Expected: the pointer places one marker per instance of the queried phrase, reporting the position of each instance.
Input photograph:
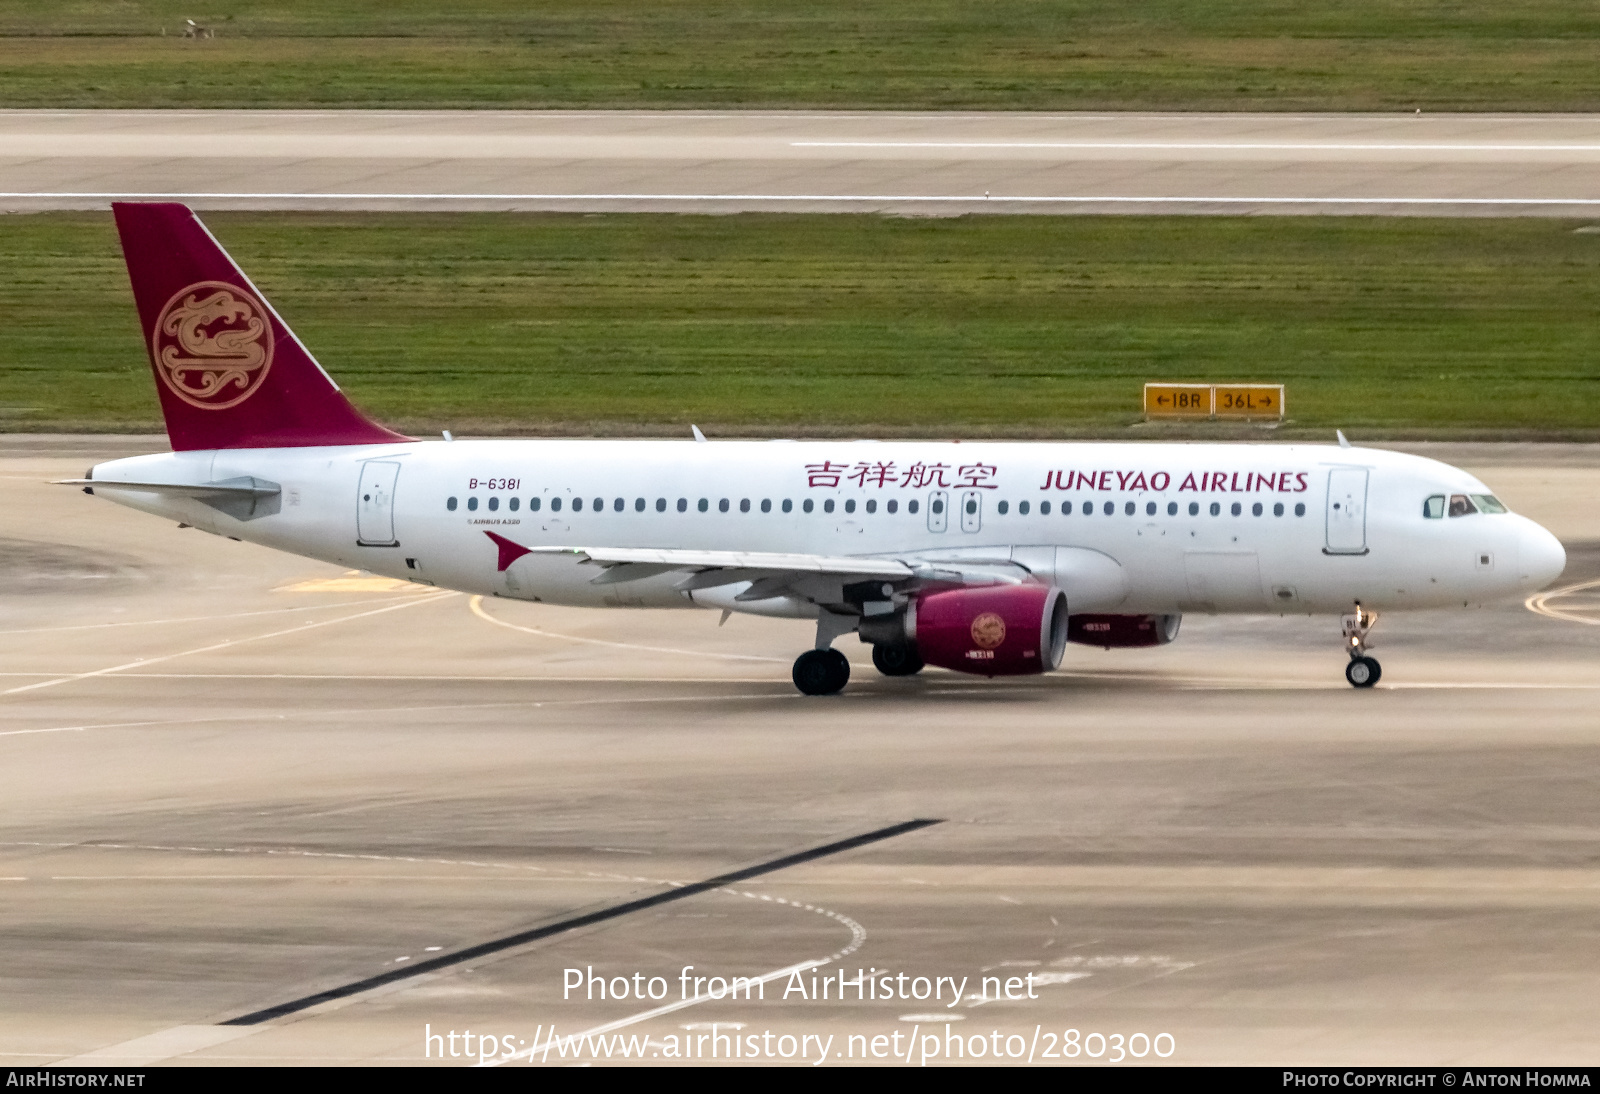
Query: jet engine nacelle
(1123, 631)
(997, 630)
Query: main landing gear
(1362, 671)
(821, 672)
(896, 659)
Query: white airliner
(985, 558)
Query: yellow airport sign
(1177, 400)
(1231, 401)
(1248, 401)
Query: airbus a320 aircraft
(983, 558)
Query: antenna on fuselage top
(1344, 442)
(699, 436)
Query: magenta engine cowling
(1123, 631)
(997, 630)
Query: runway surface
(232, 779)
(919, 164)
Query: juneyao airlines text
(806, 984)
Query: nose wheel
(821, 672)
(1362, 671)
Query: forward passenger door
(1347, 511)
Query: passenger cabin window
(533, 505)
(1433, 508)
(451, 505)
(1461, 505)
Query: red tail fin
(230, 372)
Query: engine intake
(998, 630)
(1123, 631)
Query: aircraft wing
(726, 567)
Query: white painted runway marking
(168, 1043)
(1205, 146)
(979, 688)
(832, 199)
(205, 618)
(476, 604)
(531, 704)
(537, 1049)
(858, 933)
(223, 645)
(1540, 603)
(80, 729)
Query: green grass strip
(994, 54)
(858, 325)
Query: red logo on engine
(212, 345)
(988, 631)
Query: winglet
(1344, 442)
(699, 436)
(509, 552)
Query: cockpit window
(1433, 508)
(1461, 506)
(1488, 503)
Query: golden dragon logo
(212, 345)
(988, 631)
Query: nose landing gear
(1362, 671)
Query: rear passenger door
(375, 504)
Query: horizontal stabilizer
(243, 498)
(245, 487)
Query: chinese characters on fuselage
(982, 476)
(967, 476)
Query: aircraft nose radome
(1543, 557)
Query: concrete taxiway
(231, 779)
(911, 163)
